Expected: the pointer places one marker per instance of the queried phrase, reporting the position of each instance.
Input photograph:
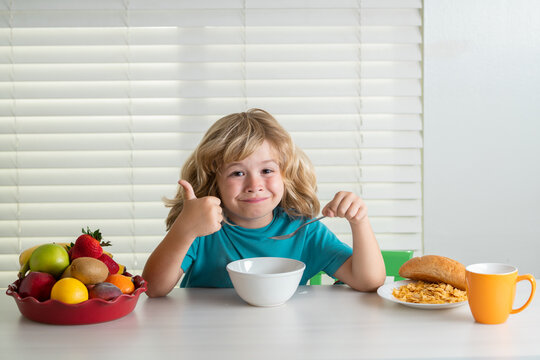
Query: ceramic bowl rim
(255, 275)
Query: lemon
(69, 291)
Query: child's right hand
(199, 216)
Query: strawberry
(111, 264)
(88, 245)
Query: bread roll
(434, 268)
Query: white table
(318, 322)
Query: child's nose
(254, 183)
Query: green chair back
(393, 259)
(316, 279)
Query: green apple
(50, 258)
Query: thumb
(188, 190)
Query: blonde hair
(234, 138)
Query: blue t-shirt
(205, 262)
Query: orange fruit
(69, 291)
(124, 283)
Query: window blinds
(101, 102)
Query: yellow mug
(491, 289)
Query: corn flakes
(429, 293)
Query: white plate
(385, 292)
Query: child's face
(250, 189)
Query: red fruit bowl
(88, 312)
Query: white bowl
(266, 281)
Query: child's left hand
(347, 205)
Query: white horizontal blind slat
(101, 103)
(165, 106)
(153, 176)
(218, 53)
(210, 17)
(205, 4)
(284, 70)
(159, 141)
(202, 36)
(218, 89)
(178, 123)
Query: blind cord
(131, 133)
(13, 110)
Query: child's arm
(364, 270)
(199, 217)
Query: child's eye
(237, 173)
(267, 171)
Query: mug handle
(529, 278)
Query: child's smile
(250, 189)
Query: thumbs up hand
(199, 216)
(188, 190)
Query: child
(244, 183)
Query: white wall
(482, 131)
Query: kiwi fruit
(88, 270)
(66, 273)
